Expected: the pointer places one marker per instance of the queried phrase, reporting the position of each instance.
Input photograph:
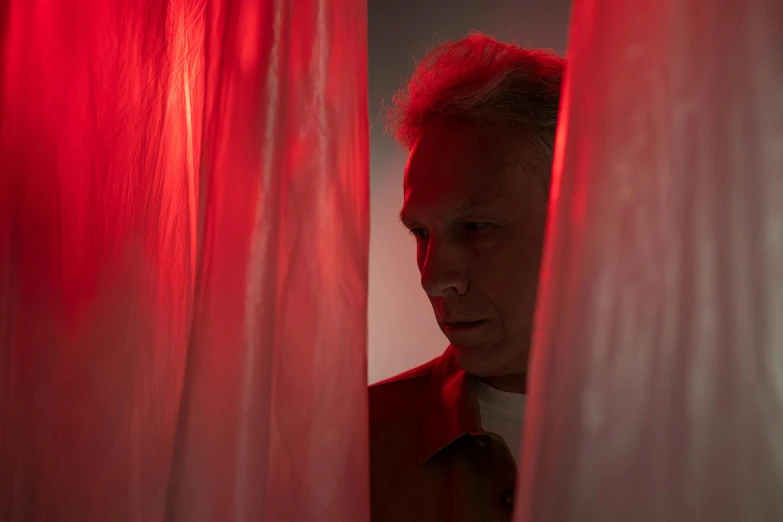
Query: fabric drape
(657, 374)
(183, 260)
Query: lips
(459, 326)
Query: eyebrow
(469, 208)
(461, 211)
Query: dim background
(402, 329)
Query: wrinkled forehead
(453, 149)
(454, 165)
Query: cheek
(508, 276)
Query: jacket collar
(450, 410)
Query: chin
(487, 361)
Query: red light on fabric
(183, 180)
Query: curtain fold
(183, 260)
(274, 418)
(657, 372)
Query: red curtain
(657, 375)
(183, 260)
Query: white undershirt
(501, 413)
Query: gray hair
(483, 81)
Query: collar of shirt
(450, 409)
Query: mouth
(461, 326)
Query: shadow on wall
(402, 329)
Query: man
(479, 119)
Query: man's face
(475, 199)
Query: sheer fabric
(183, 260)
(657, 374)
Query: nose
(443, 269)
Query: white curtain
(657, 374)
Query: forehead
(455, 164)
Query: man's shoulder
(396, 408)
(425, 370)
(400, 396)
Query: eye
(419, 233)
(476, 226)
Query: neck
(514, 383)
